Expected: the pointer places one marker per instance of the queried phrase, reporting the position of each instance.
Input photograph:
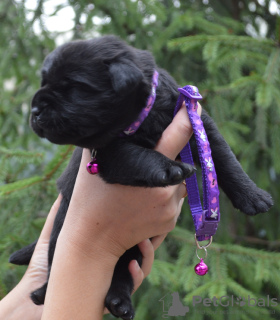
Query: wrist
(78, 278)
(91, 236)
(88, 247)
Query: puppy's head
(91, 90)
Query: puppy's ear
(125, 76)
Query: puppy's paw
(38, 296)
(174, 174)
(253, 201)
(120, 305)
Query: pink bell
(92, 167)
(201, 268)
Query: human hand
(17, 304)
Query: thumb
(47, 229)
(177, 134)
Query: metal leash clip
(201, 268)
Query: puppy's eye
(43, 78)
(64, 83)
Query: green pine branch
(58, 161)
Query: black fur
(91, 91)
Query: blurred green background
(231, 50)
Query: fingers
(157, 241)
(147, 248)
(182, 191)
(44, 238)
(147, 251)
(181, 204)
(38, 266)
(177, 134)
(199, 109)
(138, 274)
(46, 231)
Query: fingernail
(136, 265)
(146, 241)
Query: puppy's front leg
(241, 190)
(129, 164)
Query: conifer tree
(230, 50)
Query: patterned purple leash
(205, 219)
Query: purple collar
(144, 113)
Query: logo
(173, 307)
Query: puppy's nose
(35, 111)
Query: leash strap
(205, 219)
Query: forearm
(79, 281)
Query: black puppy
(91, 91)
